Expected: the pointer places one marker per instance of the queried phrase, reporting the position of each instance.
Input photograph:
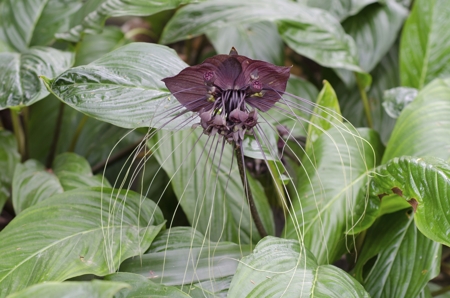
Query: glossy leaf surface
(89, 231)
(425, 44)
(405, 260)
(396, 99)
(341, 8)
(21, 85)
(124, 87)
(281, 267)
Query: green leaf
(21, 85)
(311, 32)
(342, 9)
(93, 47)
(405, 260)
(124, 87)
(9, 158)
(280, 267)
(330, 198)
(250, 40)
(375, 30)
(325, 115)
(91, 17)
(203, 179)
(29, 23)
(83, 231)
(143, 287)
(425, 44)
(396, 99)
(72, 289)
(424, 183)
(33, 183)
(422, 124)
(182, 257)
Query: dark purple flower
(226, 91)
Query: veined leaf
(72, 289)
(21, 85)
(396, 99)
(330, 200)
(425, 184)
(281, 267)
(405, 260)
(124, 87)
(9, 158)
(425, 44)
(29, 23)
(91, 17)
(342, 9)
(87, 231)
(311, 32)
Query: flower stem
(365, 101)
(18, 132)
(248, 193)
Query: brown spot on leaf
(413, 202)
(381, 195)
(397, 191)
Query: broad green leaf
(250, 40)
(182, 257)
(29, 23)
(93, 47)
(83, 231)
(330, 200)
(72, 289)
(91, 17)
(405, 260)
(9, 158)
(422, 125)
(375, 30)
(425, 44)
(342, 9)
(124, 87)
(396, 99)
(311, 32)
(425, 184)
(326, 113)
(208, 187)
(280, 267)
(33, 183)
(433, 288)
(21, 85)
(140, 286)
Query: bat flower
(227, 90)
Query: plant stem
(77, 133)
(365, 101)
(18, 132)
(440, 291)
(52, 152)
(248, 193)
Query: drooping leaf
(250, 40)
(425, 184)
(124, 87)
(33, 23)
(72, 289)
(21, 85)
(281, 267)
(9, 158)
(91, 17)
(33, 183)
(325, 114)
(182, 257)
(396, 99)
(83, 231)
(140, 286)
(330, 200)
(311, 32)
(405, 260)
(342, 9)
(425, 44)
(203, 180)
(422, 124)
